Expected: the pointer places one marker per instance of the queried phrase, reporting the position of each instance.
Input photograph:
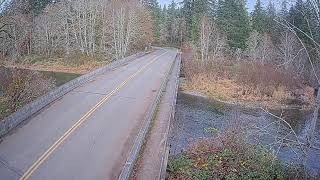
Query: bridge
(114, 126)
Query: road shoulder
(152, 160)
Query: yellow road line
(45, 155)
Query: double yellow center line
(46, 154)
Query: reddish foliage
(22, 86)
(266, 77)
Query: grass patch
(75, 63)
(216, 108)
(60, 78)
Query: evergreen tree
(258, 18)
(188, 14)
(38, 5)
(314, 20)
(150, 4)
(233, 20)
(193, 11)
(164, 10)
(212, 8)
(200, 7)
(301, 19)
(172, 9)
(284, 9)
(270, 17)
(271, 25)
(155, 9)
(298, 17)
(172, 14)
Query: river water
(195, 114)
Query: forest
(268, 56)
(279, 38)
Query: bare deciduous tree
(123, 22)
(292, 55)
(205, 38)
(89, 27)
(261, 48)
(211, 41)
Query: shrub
(4, 109)
(227, 156)
(266, 78)
(26, 85)
(213, 70)
(21, 87)
(245, 81)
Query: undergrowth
(247, 82)
(20, 87)
(73, 63)
(228, 156)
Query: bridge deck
(88, 133)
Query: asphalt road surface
(88, 133)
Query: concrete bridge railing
(28, 110)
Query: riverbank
(227, 91)
(245, 82)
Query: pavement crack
(127, 97)
(6, 164)
(88, 92)
(133, 98)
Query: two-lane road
(88, 133)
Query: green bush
(225, 157)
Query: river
(195, 114)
